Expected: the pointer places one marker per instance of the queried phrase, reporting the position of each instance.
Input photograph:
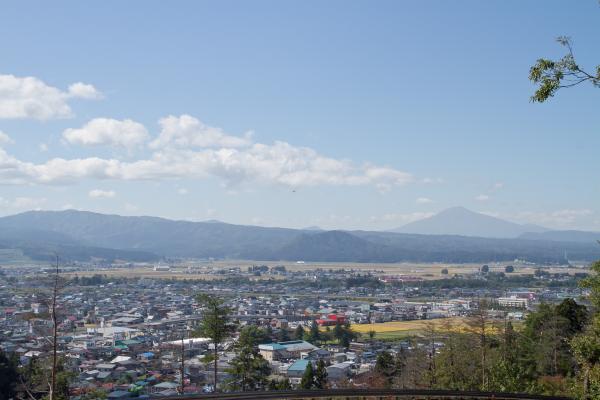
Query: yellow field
(456, 324)
(206, 270)
(148, 272)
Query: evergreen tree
(280, 384)
(252, 336)
(215, 325)
(386, 366)
(321, 375)
(63, 378)
(249, 370)
(313, 334)
(338, 332)
(347, 336)
(457, 365)
(283, 335)
(299, 332)
(576, 314)
(400, 362)
(586, 345)
(345, 341)
(308, 379)
(8, 376)
(284, 384)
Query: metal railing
(365, 393)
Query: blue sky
(337, 114)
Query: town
(120, 335)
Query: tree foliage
(215, 325)
(8, 376)
(249, 370)
(320, 378)
(308, 378)
(552, 75)
(313, 335)
(386, 367)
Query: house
(513, 301)
(102, 367)
(319, 354)
(296, 370)
(339, 371)
(284, 350)
(331, 320)
(120, 394)
(161, 387)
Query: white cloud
(279, 163)
(187, 131)
(101, 194)
(482, 197)
(424, 200)
(559, 218)
(182, 191)
(432, 180)
(497, 186)
(30, 97)
(5, 139)
(84, 91)
(43, 147)
(399, 218)
(107, 131)
(22, 203)
(131, 207)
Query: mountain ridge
(87, 235)
(464, 222)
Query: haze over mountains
(460, 221)
(81, 235)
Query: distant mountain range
(563, 236)
(460, 221)
(447, 237)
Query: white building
(513, 301)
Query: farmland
(397, 329)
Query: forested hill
(86, 234)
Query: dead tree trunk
(54, 334)
(182, 367)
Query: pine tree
(321, 375)
(283, 335)
(249, 370)
(338, 332)
(299, 332)
(283, 384)
(8, 376)
(215, 325)
(386, 366)
(308, 379)
(314, 335)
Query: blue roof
(271, 346)
(118, 394)
(299, 365)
